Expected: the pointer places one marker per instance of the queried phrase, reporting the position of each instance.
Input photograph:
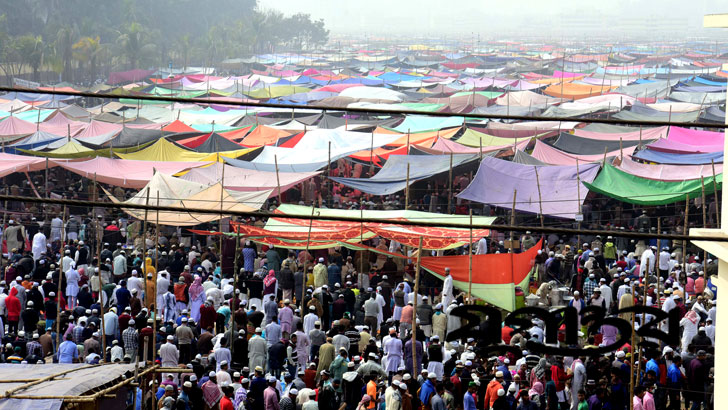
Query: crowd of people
(332, 329)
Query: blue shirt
(674, 376)
(469, 402)
(67, 351)
(652, 365)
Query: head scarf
(269, 278)
(541, 368)
(196, 288)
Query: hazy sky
(496, 18)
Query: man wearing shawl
(180, 295)
(270, 284)
(211, 391)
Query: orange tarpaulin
(495, 276)
(573, 91)
(263, 135)
(237, 135)
(178, 126)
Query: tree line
(80, 40)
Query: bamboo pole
(278, 180)
(657, 267)
(235, 299)
(99, 242)
(715, 194)
(308, 243)
(513, 220)
(35, 382)
(46, 178)
(449, 192)
(58, 292)
(407, 189)
(5, 220)
(470, 259)
(414, 311)
(604, 161)
(631, 361)
(538, 185)
(222, 194)
(705, 217)
(371, 157)
(621, 153)
(578, 202)
(685, 230)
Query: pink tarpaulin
(697, 137)
(123, 172)
(447, 146)
(525, 99)
(489, 82)
(96, 128)
(550, 155)
(10, 163)
(129, 76)
(662, 172)
(13, 126)
(240, 179)
(668, 145)
(646, 133)
(337, 88)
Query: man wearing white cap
(257, 350)
(310, 319)
(393, 347)
(647, 262)
(447, 289)
(169, 354)
(320, 274)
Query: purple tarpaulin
(497, 179)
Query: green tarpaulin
(625, 187)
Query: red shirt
(558, 375)
(226, 404)
(506, 334)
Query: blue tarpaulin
(679, 159)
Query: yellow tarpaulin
(472, 138)
(164, 150)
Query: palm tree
(64, 50)
(86, 51)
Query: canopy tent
(476, 139)
(37, 140)
(521, 157)
(644, 113)
(663, 172)
(13, 127)
(166, 190)
(214, 142)
(494, 276)
(71, 149)
(672, 146)
(697, 137)
(293, 233)
(393, 175)
(134, 137)
(574, 91)
(177, 126)
(586, 146)
(678, 158)
(164, 150)
(123, 172)
(625, 187)
(525, 99)
(550, 155)
(241, 179)
(615, 133)
(10, 163)
(282, 168)
(497, 180)
(264, 135)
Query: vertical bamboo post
(705, 217)
(99, 242)
(5, 219)
(308, 243)
(470, 260)
(578, 202)
(513, 220)
(538, 185)
(449, 182)
(480, 142)
(361, 236)
(639, 147)
(414, 311)
(407, 189)
(60, 280)
(156, 272)
(715, 194)
(685, 230)
(371, 157)
(408, 140)
(621, 153)
(604, 161)
(657, 266)
(46, 178)
(222, 193)
(278, 180)
(235, 299)
(631, 359)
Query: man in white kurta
(169, 354)
(453, 322)
(447, 289)
(393, 347)
(40, 244)
(309, 321)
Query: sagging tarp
(495, 276)
(476, 139)
(393, 175)
(164, 150)
(134, 137)
(644, 113)
(608, 132)
(586, 146)
(178, 193)
(574, 91)
(302, 167)
(625, 187)
(123, 172)
(665, 172)
(550, 155)
(217, 143)
(521, 157)
(293, 232)
(37, 140)
(496, 181)
(679, 159)
(240, 179)
(10, 163)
